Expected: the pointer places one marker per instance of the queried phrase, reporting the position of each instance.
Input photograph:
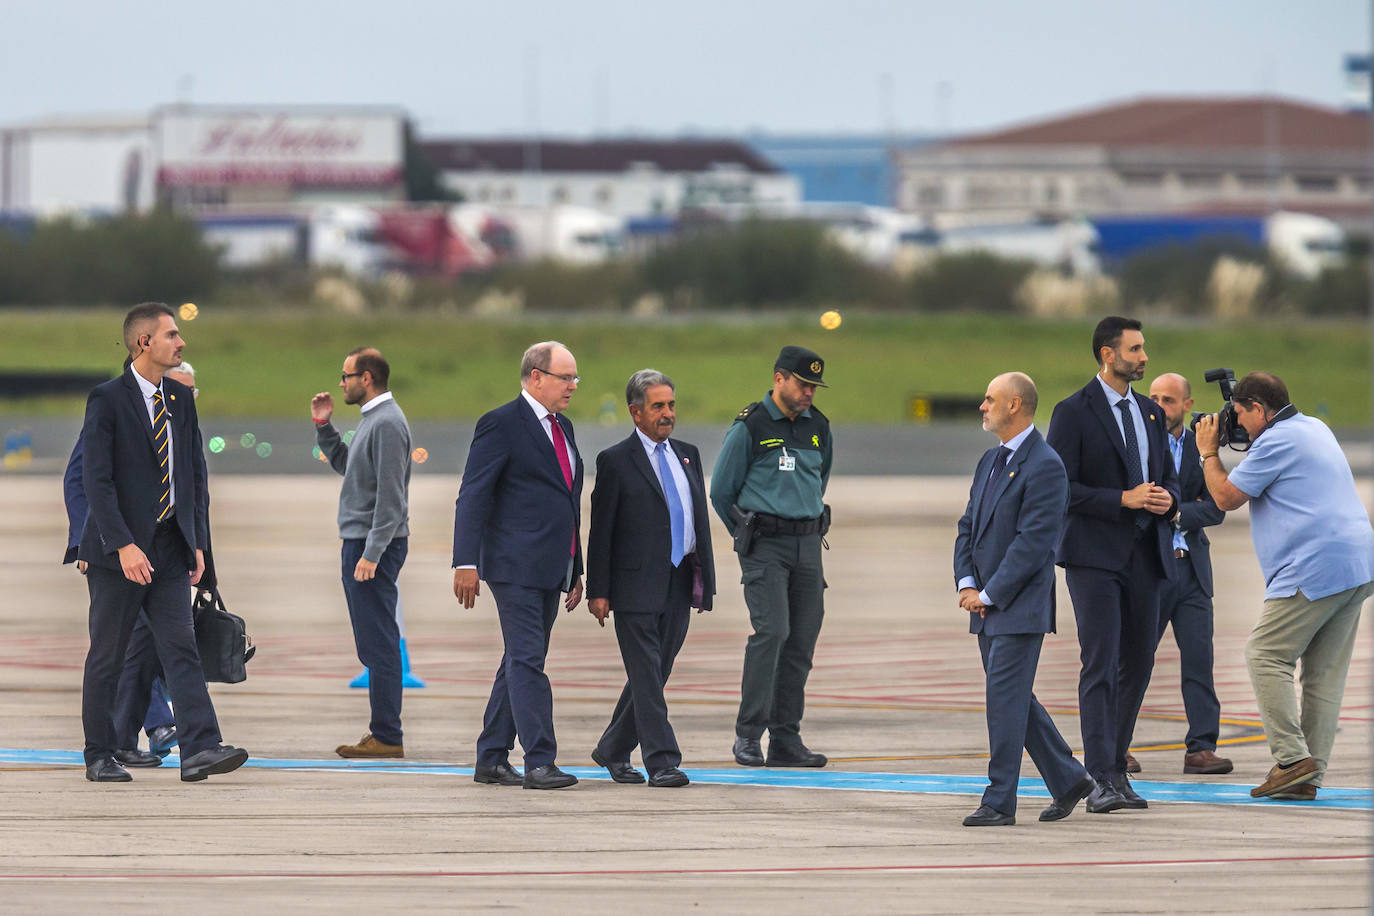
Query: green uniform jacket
(750, 471)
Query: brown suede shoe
(1206, 762)
(1132, 765)
(369, 746)
(1304, 792)
(1279, 779)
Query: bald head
(1008, 408)
(1173, 394)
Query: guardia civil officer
(767, 487)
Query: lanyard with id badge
(786, 462)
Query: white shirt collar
(650, 445)
(144, 385)
(540, 411)
(378, 401)
(1015, 441)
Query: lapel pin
(686, 460)
(1152, 416)
(173, 397)
(1011, 475)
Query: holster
(745, 529)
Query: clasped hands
(969, 601)
(1149, 497)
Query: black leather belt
(1180, 553)
(772, 525)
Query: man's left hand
(1159, 500)
(1207, 435)
(200, 567)
(600, 608)
(365, 570)
(969, 601)
(574, 594)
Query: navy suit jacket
(630, 538)
(1100, 533)
(1008, 546)
(74, 495)
(515, 518)
(121, 476)
(1198, 510)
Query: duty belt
(773, 525)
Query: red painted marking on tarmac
(631, 872)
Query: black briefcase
(221, 638)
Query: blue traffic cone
(407, 678)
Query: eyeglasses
(348, 375)
(566, 379)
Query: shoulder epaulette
(748, 409)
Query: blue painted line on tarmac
(1202, 793)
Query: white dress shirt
(149, 389)
(684, 492)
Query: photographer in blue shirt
(1316, 549)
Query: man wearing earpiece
(1316, 550)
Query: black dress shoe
(989, 817)
(137, 758)
(1122, 785)
(793, 754)
(1104, 799)
(212, 761)
(1063, 806)
(669, 778)
(104, 769)
(161, 739)
(502, 774)
(620, 770)
(748, 752)
(548, 777)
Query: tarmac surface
(895, 699)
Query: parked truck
(1304, 243)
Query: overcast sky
(579, 67)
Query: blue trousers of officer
(372, 611)
(1183, 603)
(521, 701)
(1016, 720)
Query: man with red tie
(516, 526)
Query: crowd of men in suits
(1117, 492)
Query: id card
(786, 462)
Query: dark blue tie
(1133, 478)
(999, 464)
(675, 518)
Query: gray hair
(641, 382)
(185, 367)
(538, 356)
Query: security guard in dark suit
(768, 486)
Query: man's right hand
(322, 407)
(81, 566)
(600, 608)
(1136, 497)
(135, 564)
(466, 586)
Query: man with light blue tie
(649, 562)
(1116, 549)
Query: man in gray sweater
(373, 524)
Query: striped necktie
(164, 500)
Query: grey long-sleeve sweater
(374, 502)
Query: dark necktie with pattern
(1133, 470)
(999, 464)
(160, 439)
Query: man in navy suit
(143, 472)
(648, 560)
(1186, 600)
(516, 526)
(1004, 570)
(1116, 548)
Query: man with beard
(767, 487)
(374, 528)
(1116, 548)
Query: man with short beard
(374, 527)
(772, 470)
(1116, 548)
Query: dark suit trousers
(372, 610)
(649, 643)
(1118, 629)
(141, 699)
(1016, 720)
(521, 702)
(1183, 603)
(115, 603)
(784, 588)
